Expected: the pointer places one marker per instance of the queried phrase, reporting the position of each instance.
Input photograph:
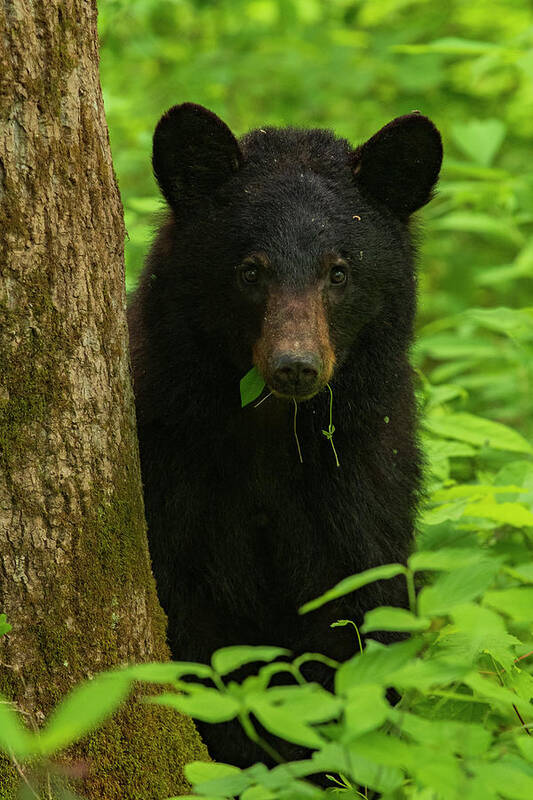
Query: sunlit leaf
(14, 737)
(495, 228)
(167, 672)
(444, 559)
(228, 659)
(216, 779)
(476, 430)
(365, 710)
(353, 583)
(375, 665)
(457, 587)
(479, 139)
(204, 703)
(388, 618)
(516, 602)
(283, 723)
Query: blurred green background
(352, 66)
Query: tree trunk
(75, 578)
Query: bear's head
(290, 244)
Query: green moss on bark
(30, 372)
(151, 764)
(9, 779)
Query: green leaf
(201, 771)
(374, 664)
(478, 431)
(511, 321)
(449, 45)
(525, 745)
(193, 797)
(258, 793)
(5, 627)
(365, 710)
(479, 139)
(364, 771)
(517, 602)
(510, 782)
(168, 672)
(446, 559)
(448, 735)
(145, 205)
(208, 705)
(84, 709)
(435, 773)
(387, 750)
(457, 587)
(354, 582)
(518, 473)
(309, 703)
(283, 723)
(440, 395)
(523, 572)
(478, 630)
(507, 513)
(228, 659)
(14, 737)
(446, 511)
(216, 779)
(498, 695)
(493, 228)
(451, 346)
(431, 673)
(252, 384)
(461, 169)
(388, 618)
(259, 682)
(473, 491)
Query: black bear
(290, 251)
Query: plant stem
(331, 429)
(410, 578)
(295, 433)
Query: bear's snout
(296, 374)
(294, 352)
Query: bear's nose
(296, 373)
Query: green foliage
(350, 65)
(5, 627)
(464, 676)
(251, 386)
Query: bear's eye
(337, 275)
(250, 274)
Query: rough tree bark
(75, 579)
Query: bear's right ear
(400, 164)
(194, 152)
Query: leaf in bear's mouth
(252, 384)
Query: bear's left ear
(400, 164)
(194, 152)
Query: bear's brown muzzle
(294, 353)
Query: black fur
(241, 533)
